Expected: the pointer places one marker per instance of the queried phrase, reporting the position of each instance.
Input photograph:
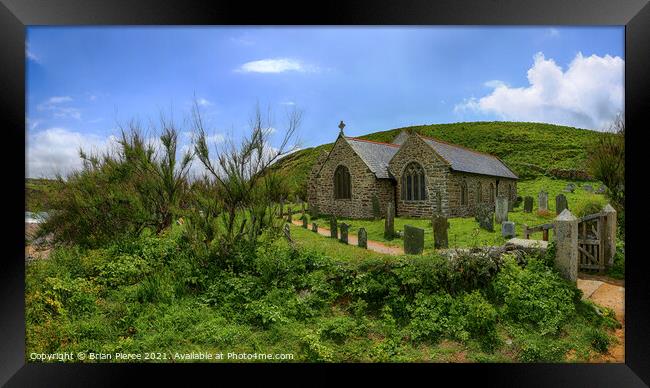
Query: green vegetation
(146, 262)
(530, 149)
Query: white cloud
(203, 102)
(277, 65)
(30, 54)
(57, 150)
(589, 94)
(57, 106)
(290, 103)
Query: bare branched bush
(239, 188)
(606, 161)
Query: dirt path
(352, 240)
(609, 293)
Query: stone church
(422, 176)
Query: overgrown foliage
(606, 162)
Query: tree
(606, 161)
(239, 176)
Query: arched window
(413, 183)
(463, 193)
(491, 192)
(342, 183)
(479, 192)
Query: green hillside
(530, 149)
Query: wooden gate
(591, 255)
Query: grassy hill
(530, 149)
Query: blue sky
(82, 80)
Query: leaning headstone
(314, 227)
(304, 221)
(560, 203)
(334, 233)
(362, 238)
(501, 209)
(289, 215)
(376, 207)
(542, 201)
(528, 205)
(588, 188)
(485, 217)
(565, 227)
(344, 233)
(570, 187)
(413, 240)
(440, 236)
(389, 224)
(508, 229)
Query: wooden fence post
(608, 235)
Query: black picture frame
(15, 15)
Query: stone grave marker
(570, 187)
(542, 201)
(588, 188)
(376, 207)
(389, 224)
(289, 215)
(333, 228)
(508, 229)
(601, 189)
(344, 233)
(528, 205)
(362, 238)
(485, 217)
(560, 203)
(440, 236)
(304, 221)
(314, 227)
(501, 209)
(413, 240)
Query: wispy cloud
(290, 103)
(275, 65)
(553, 32)
(57, 106)
(31, 55)
(203, 102)
(589, 94)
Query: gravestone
(334, 233)
(313, 211)
(413, 240)
(344, 233)
(485, 216)
(501, 209)
(304, 221)
(440, 236)
(588, 188)
(570, 187)
(389, 224)
(314, 227)
(518, 201)
(528, 204)
(560, 203)
(362, 238)
(601, 189)
(511, 204)
(376, 207)
(508, 229)
(542, 201)
(289, 215)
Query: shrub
(598, 339)
(540, 349)
(339, 328)
(430, 317)
(535, 294)
(588, 207)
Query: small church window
(463, 193)
(413, 183)
(342, 183)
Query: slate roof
(466, 160)
(376, 155)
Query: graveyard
(466, 232)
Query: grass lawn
(465, 232)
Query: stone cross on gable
(341, 126)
